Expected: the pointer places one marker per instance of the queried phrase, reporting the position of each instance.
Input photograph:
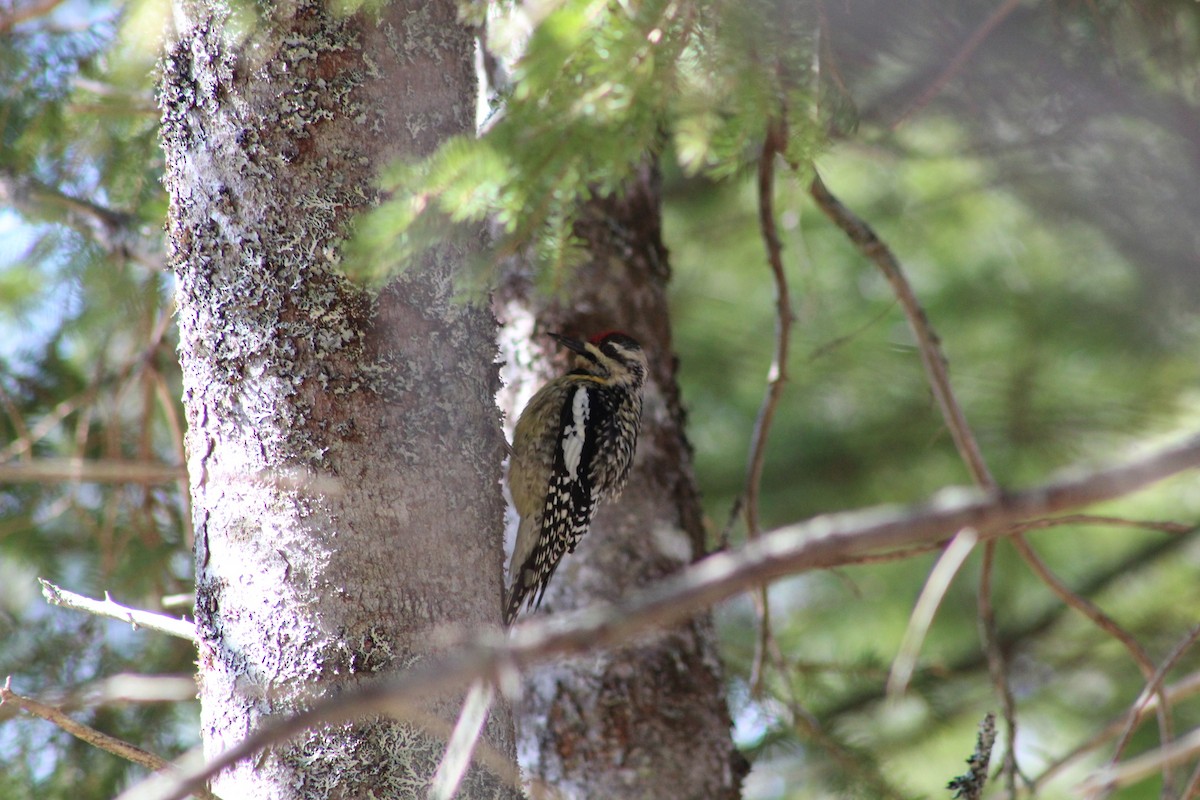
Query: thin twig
(934, 361)
(935, 366)
(14, 414)
(1038, 624)
(110, 744)
(895, 555)
(819, 543)
(24, 443)
(773, 145)
(1108, 779)
(989, 633)
(1100, 519)
(928, 345)
(1164, 526)
(1082, 604)
(960, 58)
(114, 231)
(1110, 626)
(1192, 790)
(828, 347)
(1181, 689)
(122, 688)
(107, 607)
(1154, 689)
(936, 585)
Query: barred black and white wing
(572, 448)
(570, 499)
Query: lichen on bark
(344, 447)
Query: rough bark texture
(343, 448)
(649, 721)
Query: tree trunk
(648, 721)
(343, 448)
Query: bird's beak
(573, 345)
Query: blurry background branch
(107, 607)
(114, 231)
(92, 736)
(48, 470)
(117, 689)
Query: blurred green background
(1036, 168)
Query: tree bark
(648, 721)
(343, 448)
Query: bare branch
(1154, 690)
(822, 542)
(1110, 626)
(1192, 790)
(49, 470)
(928, 345)
(960, 58)
(1105, 781)
(1083, 605)
(1099, 519)
(936, 371)
(1187, 687)
(935, 364)
(1035, 625)
(24, 443)
(773, 146)
(115, 689)
(92, 736)
(107, 607)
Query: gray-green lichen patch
(263, 305)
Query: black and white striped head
(614, 356)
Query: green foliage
(600, 87)
(1058, 353)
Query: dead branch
(822, 542)
(94, 737)
(49, 470)
(977, 37)
(1105, 781)
(118, 689)
(1175, 692)
(107, 607)
(1154, 689)
(928, 345)
(936, 371)
(773, 146)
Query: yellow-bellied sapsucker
(573, 447)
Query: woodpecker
(572, 448)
